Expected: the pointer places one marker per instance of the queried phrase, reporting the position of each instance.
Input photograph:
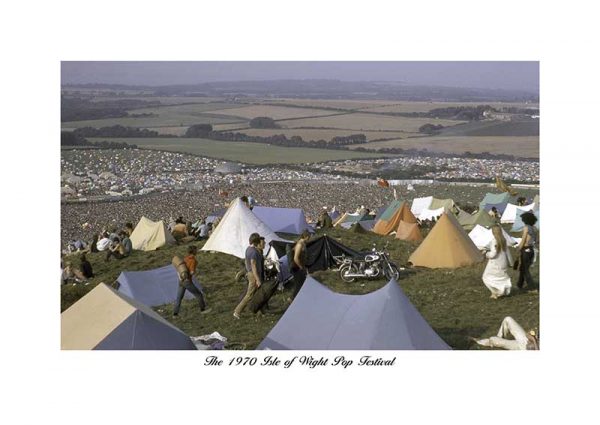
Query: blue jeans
(188, 286)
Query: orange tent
(446, 246)
(409, 232)
(391, 217)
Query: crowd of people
(445, 168)
(96, 174)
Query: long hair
(500, 241)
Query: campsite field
(524, 146)
(249, 153)
(454, 302)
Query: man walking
(186, 269)
(254, 271)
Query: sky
(491, 75)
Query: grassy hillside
(454, 302)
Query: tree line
(69, 138)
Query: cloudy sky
(492, 75)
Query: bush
(199, 130)
(263, 122)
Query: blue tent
(320, 319)
(152, 287)
(500, 207)
(283, 220)
(518, 224)
(365, 224)
(380, 211)
(495, 198)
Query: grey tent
(107, 320)
(152, 287)
(320, 319)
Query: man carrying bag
(185, 283)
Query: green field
(454, 302)
(525, 146)
(249, 153)
(166, 116)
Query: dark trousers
(188, 286)
(299, 278)
(526, 259)
(115, 254)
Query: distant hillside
(329, 89)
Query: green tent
(447, 204)
(481, 217)
(494, 198)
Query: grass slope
(454, 302)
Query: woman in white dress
(495, 277)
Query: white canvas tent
(232, 234)
(510, 213)
(149, 235)
(427, 214)
(420, 204)
(481, 237)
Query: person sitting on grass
(126, 242)
(104, 243)
(116, 250)
(86, 267)
(509, 327)
(129, 228)
(203, 231)
(72, 274)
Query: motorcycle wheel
(348, 268)
(392, 272)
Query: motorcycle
(371, 266)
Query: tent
(149, 235)
(319, 252)
(409, 232)
(380, 211)
(388, 221)
(510, 213)
(447, 204)
(481, 218)
(536, 202)
(427, 214)
(233, 231)
(499, 207)
(365, 224)
(320, 319)
(356, 227)
(351, 218)
(446, 246)
(494, 198)
(104, 319)
(463, 215)
(284, 220)
(518, 224)
(481, 237)
(151, 287)
(419, 204)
